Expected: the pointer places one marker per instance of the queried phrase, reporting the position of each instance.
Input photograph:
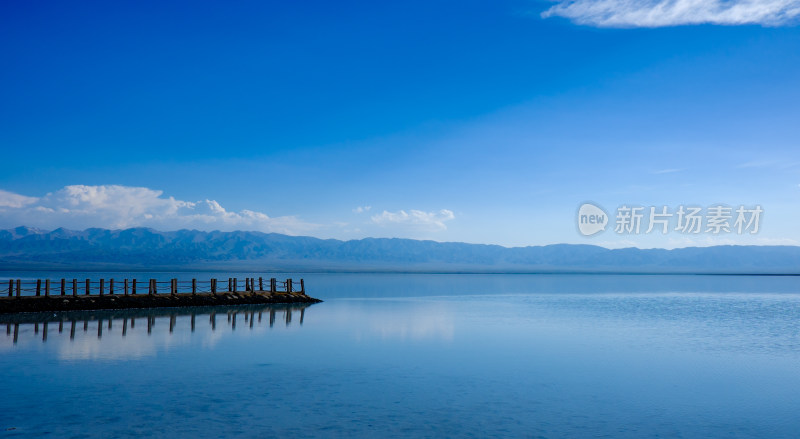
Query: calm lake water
(423, 356)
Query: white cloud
(659, 13)
(431, 221)
(362, 209)
(667, 171)
(115, 207)
(10, 199)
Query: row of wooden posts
(15, 288)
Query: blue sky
(470, 121)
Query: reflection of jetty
(126, 320)
(70, 294)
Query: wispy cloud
(417, 219)
(770, 163)
(667, 171)
(114, 206)
(362, 209)
(660, 13)
(10, 199)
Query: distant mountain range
(25, 248)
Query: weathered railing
(111, 286)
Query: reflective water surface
(394, 355)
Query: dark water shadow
(120, 321)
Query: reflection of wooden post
(38, 287)
(63, 287)
(47, 288)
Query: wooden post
(174, 287)
(153, 287)
(230, 284)
(11, 288)
(260, 283)
(302, 287)
(63, 287)
(102, 282)
(38, 287)
(125, 287)
(213, 286)
(19, 285)
(133, 292)
(289, 285)
(88, 287)
(74, 287)
(111, 288)
(273, 285)
(194, 292)
(47, 288)
(234, 284)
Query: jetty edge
(45, 295)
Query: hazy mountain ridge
(95, 248)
